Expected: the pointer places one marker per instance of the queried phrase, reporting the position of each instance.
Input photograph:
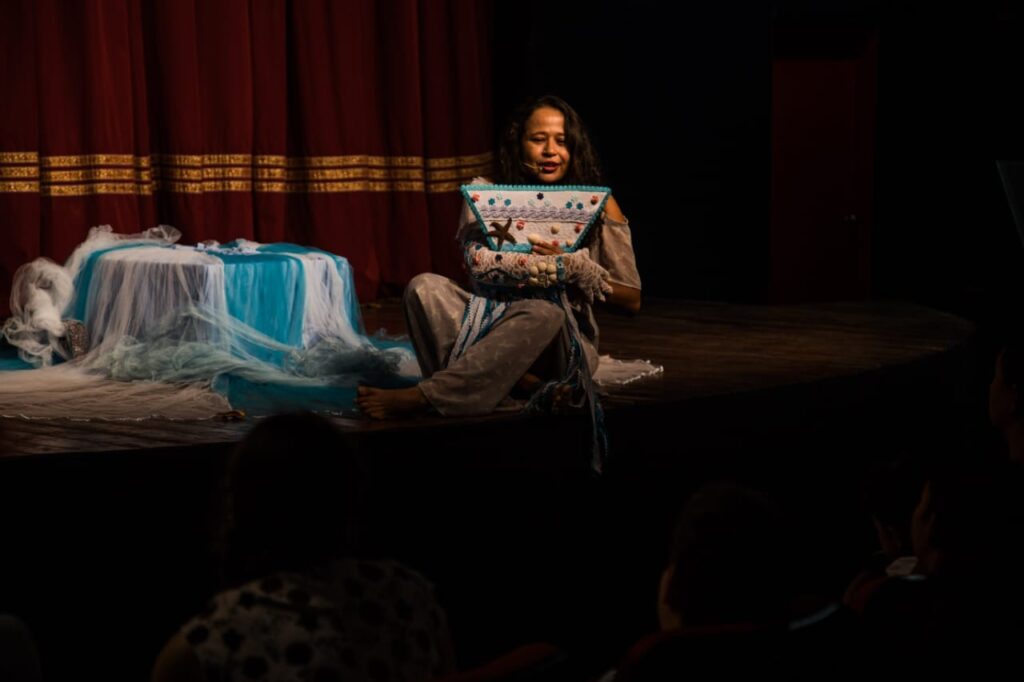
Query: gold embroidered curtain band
(199, 173)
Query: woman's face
(544, 147)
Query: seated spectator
(890, 492)
(730, 561)
(724, 598)
(305, 607)
(964, 601)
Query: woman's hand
(552, 248)
(586, 275)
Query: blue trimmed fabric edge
(466, 189)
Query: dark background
(689, 107)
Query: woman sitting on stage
(532, 345)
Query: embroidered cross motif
(502, 233)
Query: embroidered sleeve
(512, 269)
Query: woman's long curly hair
(584, 166)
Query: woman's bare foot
(561, 400)
(387, 403)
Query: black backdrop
(680, 105)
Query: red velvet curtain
(342, 124)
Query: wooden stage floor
(708, 350)
(503, 513)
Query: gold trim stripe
(96, 160)
(362, 186)
(300, 175)
(270, 160)
(362, 160)
(71, 175)
(64, 161)
(451, 161)
(130, 174)
(278, 186)
(444, 187)
(466, 173)
(196, 160)
(94, 188)
(12, 187)
(271, 187)
(226, 186)
(19, 157)
(200, 160)
(204, 186)
(19, 172)
(289, 188)
(204, 173)
(308, 175)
